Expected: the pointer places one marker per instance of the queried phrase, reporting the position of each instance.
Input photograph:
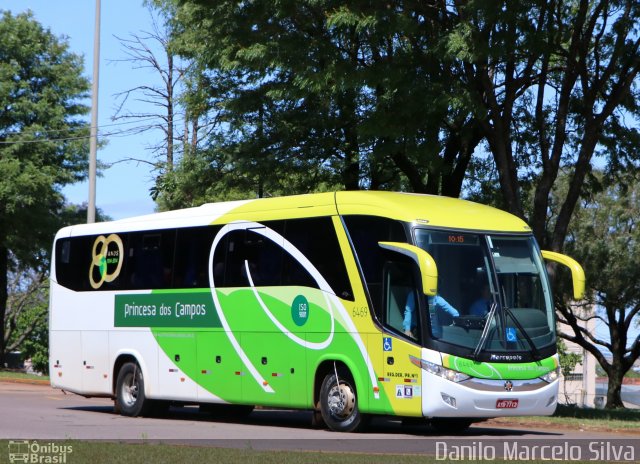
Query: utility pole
(93, 142)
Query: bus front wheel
(130, 398)
(339, 404)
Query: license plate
(506, 404)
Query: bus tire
(339, 403)
(450, 425)
(130, 398)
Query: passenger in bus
(481, 306)
(441, 306)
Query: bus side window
(263, 259)
(401, 298)
(365, 233)
(73, 260)
(316, 238)
(247, 248)
(150, 259)
(193, 246)
(234, 260)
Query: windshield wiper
(485, 331)
(534, 350)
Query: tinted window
(180, 258)
(401, 308)
(74, 262)
(192, 257)
(149, 259)
(250, 254)
(271, 263)
(365, 233)
(316, 239)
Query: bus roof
(428, 210)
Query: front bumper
(476, 398)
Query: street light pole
(93, 141)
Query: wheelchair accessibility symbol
(511, 334)
(386, 344)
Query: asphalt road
(41, 413)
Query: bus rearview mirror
(577, 273)
(425, 262)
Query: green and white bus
(349, 304)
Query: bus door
(402, 378)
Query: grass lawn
(106, 452)
(14, 375)
(625, 420)
(158, 453)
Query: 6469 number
(360, 312)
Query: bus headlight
(551, 376)
(449, 374)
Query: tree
(353, 95)
(568, 363)
(43, 142)
(162, 99)
(26, 327)
(606, 236)
(26, 316)
(553, 84)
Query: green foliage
(323, 93)
(628, 415)
(26, 314)
(44, 143)
(399, 95)
(605, 236)
(33, 321)
(43, 146)
(568, 361)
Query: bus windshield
(479, 272)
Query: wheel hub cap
(342, 400)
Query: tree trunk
(170, 84)
(4, 267)
(614, 390)
(457, 155)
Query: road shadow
(303, 420)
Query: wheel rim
(130, 390)
(341, 400)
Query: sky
(123, 190)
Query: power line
(81, 128)
(123, 133)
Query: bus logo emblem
(508, 385)
(106, 260)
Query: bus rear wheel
(130, 397)
(339, 403)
